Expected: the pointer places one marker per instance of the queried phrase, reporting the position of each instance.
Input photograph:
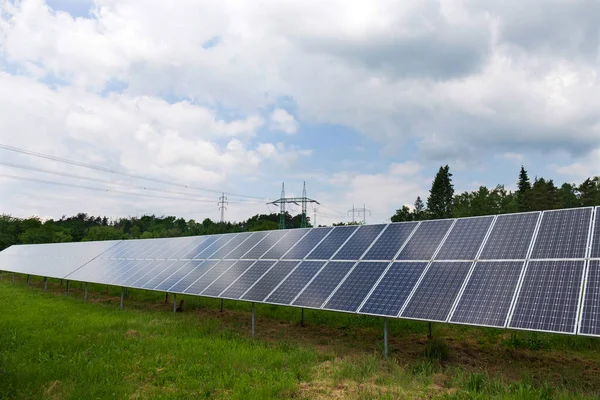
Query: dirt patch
(132, 333)
(53, 390)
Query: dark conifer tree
(524, 191)
(439, 202)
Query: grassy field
(57, 347)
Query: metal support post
(430, 334)
(85, 293)
(13, 277)
(252, 319)
(67, 290)
(385, 339)
(28, 279)
(302, 321)
(127, 292)
(222, 305)
(122, 296)
(45, 283)
(175, 302)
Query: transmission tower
(359, 211)
(222, 207)
(282, 201)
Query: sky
(362, 100)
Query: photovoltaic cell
(321, 287)
(124, 270)
(159, 247)
(488, 294)
(464, 239)
(270, 280)
(243, 248)
(425, 240)
(216, 245)
(193, 247)
(163, 274)
(237, 240)
(595, 252)
(227, 278)
(359, 242)
(390, 241)
(590, 317)
(199, 248)
(200, 268)
(510, 237)
(142, 271)
(307, 243)
(95, 271)
(285, 244)
(563, 234)
(393, 289)
(172, 248)
(433, 299)
(264, 245)
(245, 281)
(332, 243)
(185, 268)
(209, 276)
(549, 296)
(294, 283)
(357, 285)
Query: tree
(419, 211)
(589, 192)
(567, 196)
(523, 191)
(439, 202)
(543, 195)
(402, 215)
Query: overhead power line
(122, 173)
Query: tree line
(540, 195)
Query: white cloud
(283, 121)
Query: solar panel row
(523, 271)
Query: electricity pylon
(282, 201)
(222, 207)
(359, 211)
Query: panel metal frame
(339, 228)
(274, 262)
(266, 251)
(585, 277)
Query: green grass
(52, 346)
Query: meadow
(58, 347)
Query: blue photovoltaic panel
(237, 240)
(264, 245)
(590, 316)
(332, 243)
(307, 243)
(161, 275)
(144, 273)
(228, 277)
(548, 298)
(95, 270)
(487, 297)
(294, 283)
(128, 248)
(193, 247)
(160, 246)
(464, 239)
(390, 241)
(245, 281)
(321, 287)
(200, 268)
(595, 252)
(199, 248)
(185, 267)
(433, 299)
(285, 244)
(169, 251)
(243, 248)
(216, 245)
(393, 289)
(563, 234)
(359, 242)
(425, 240)
(270, 280)
(510, 237)
(124, 269)
(357, 285)
(208, 278)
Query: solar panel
(563, 234)
(435, 295)
(510, 237)
(144, 271)
(199, 248)
(172, 247)
(549, 295)
(332, 243)
(590, 316)
(160, 246)
(160, 276)
(264, 245)
(245, 281)
(192, 247)
(307, 243)
(595, 251)
(488, 295)
(350, 294)
(96, 270)
(293, 284)
(237, 240)
(185, 267)
(216, 245)
(359, 242)
(284, 245)
(465, 238)
(239, 251)
(316, 292)
(208, 277)
(270, 280)
(200, 268)
(425, 240)
(391, 292)
(390, 241)
(227, 278)
(123, 268)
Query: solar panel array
(534, 271)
